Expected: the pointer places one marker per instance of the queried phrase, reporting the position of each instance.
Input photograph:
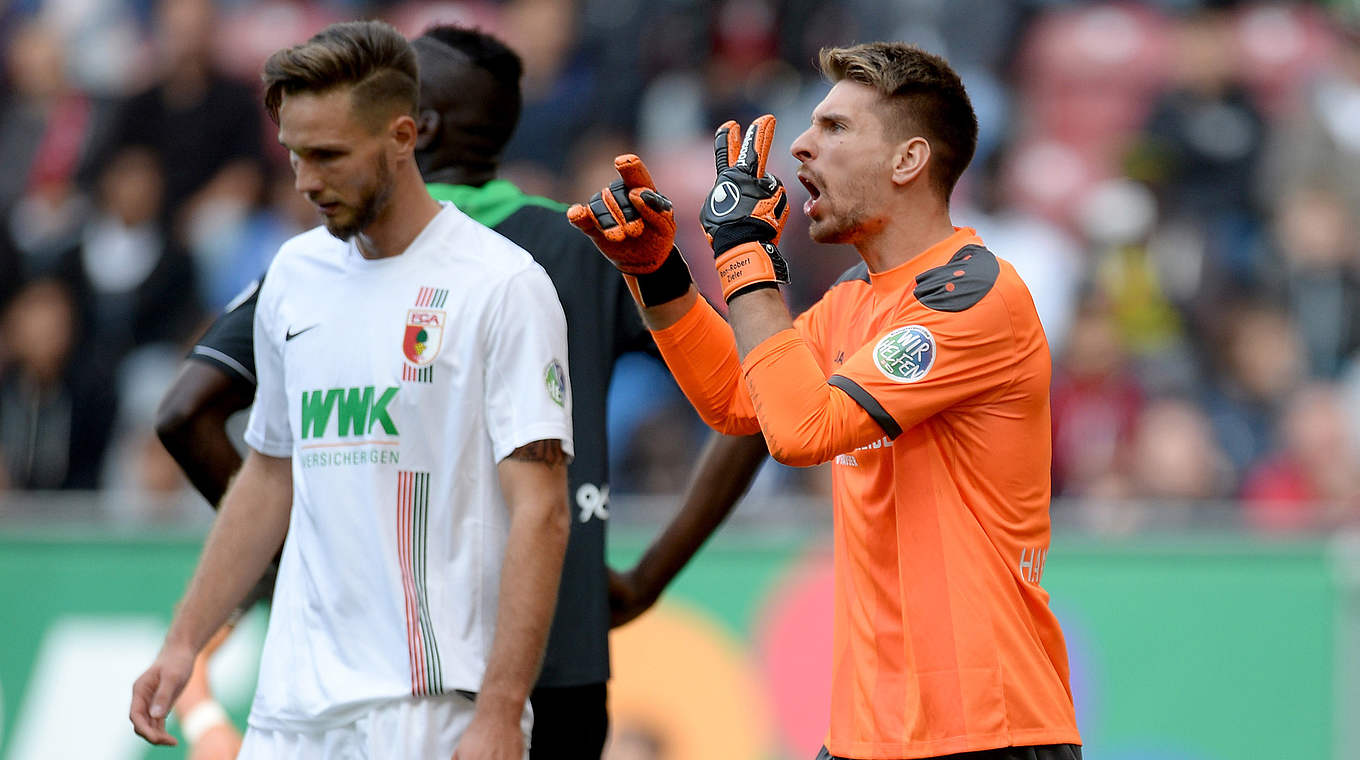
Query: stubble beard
(836, 230)
(371, 204)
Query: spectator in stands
(1313, 478)
(45, 131)
(1321, 143)
(1045, 256)
(1319, 256)
(56, 402)
(1202, 146)
(1260, 362)
(203, 127)
(133, 286)
(1096, 403)
(1175, 459)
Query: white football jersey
(396, 385)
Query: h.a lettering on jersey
(424, 334)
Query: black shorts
(1042, 752)
(570, 722)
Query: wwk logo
(356, 411)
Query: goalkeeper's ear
(911, 160)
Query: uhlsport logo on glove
(724, 199)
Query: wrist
(748, 266)
(743, 232)
(499, 706)
(665, 283)
(202, 718)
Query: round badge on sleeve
(556, 379)
(906, 354)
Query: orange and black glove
(634, 227)
(745, 212)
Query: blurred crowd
(1178, 182)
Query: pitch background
(1205, 648)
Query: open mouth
(814, 193)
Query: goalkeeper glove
(634, 227)
(745, 212)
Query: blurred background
(1178, 183)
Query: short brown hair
(370, 57)
(924, 97)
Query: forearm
(724, 471)
(530, 573)
(756, 315)
(805, 418)
(191, 422)
(248, 532)
(699, 349)
(203, 451)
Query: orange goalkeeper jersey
(928, 386)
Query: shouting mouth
(814, 194)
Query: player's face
(338, 162)
(846, 165)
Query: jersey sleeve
(269, 430)
(528, 389)
(928, 361)
(701, 352)
(229, 343)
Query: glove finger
(655, 201)
(725, 144)
(583, 219)
(633, 172)
(604, 216)
(653, 207)
(621, 199)
(626, 222)
(755, 148)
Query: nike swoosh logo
(290, 334)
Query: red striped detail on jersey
(417, 374)
(432, 297)
(413, 501)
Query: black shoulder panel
(859, 271)
(961, 283)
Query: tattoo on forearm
(548, 452)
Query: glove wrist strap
(666, 283)
(748, 264)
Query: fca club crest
(424, 332)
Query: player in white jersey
(409, 436)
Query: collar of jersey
(490, 204)
(447, 215)
(904, 275)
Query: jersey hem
(276, 449)
(540, 432)
(951, 746)
(218, 358)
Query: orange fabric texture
(944, 642)
(701, 352)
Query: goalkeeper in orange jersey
(922, 373)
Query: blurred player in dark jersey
(470, 102)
